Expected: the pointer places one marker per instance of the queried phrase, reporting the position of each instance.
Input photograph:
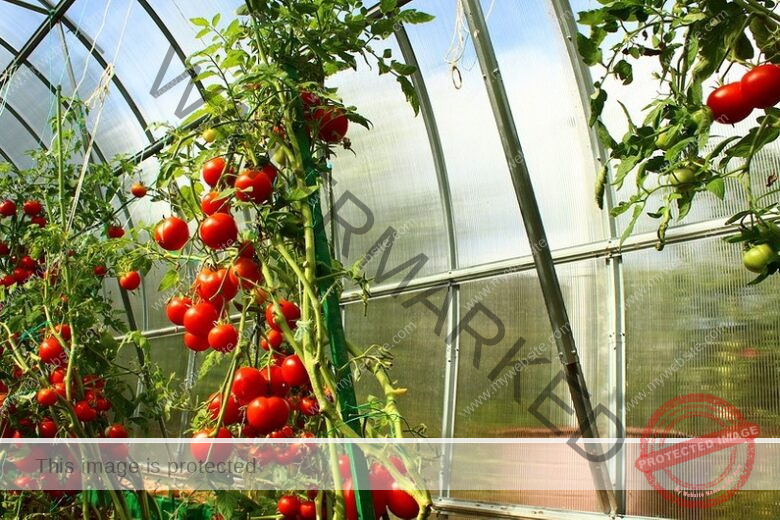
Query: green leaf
(624, 71)
(412, 16)
(216, 19)
(624, 168)
(410, 92)
(597, 101)
(638, 209)
(170, 279)
(200, 22)
(403, 68)
(589, 50)
(717, 186)
(387, 6)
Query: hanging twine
(457, 48)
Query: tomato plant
(674, 154)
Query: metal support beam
(25, 125)
(28, 6)
(8, 159)
(532, 220)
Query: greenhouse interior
(389, 259)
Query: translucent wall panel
(516, 301)
(170, 355)
(18, 24)
(16, 141)
(691, 303)
(407, 334)
(30, 97)
(391, 174)
(178, 13)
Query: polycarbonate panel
(18, 24)
(131, 40)
(697, 294)
(391, 174)
(15, 140)
(418, 356)
(170, 355)
(486, 407)
(177, 15)
(30, 97)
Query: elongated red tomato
(171, 234)
(219, 231)
(761, 86)
(729, 104)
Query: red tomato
(267, 414)
(138, 190)
(232, 413)
(288, 505)
(102, 404)
(294, 372)
(7, 280)
(213, 170)
(116, 431)
(63, 329)
(288, 310)
(115, 232)
(176, 308)
(171, 234)
(7, 208)
(761, 86)
(219, 452)
(310, 100)
(273, 339)
(223, 338)
(100, 270)
(333, 124)
(51, 352)
(729, 105)
(196, 343)
(38, 221)
(255, 186)
(28, 263)
(248, 383)
(61, 390)
(46, 396)
(21, 275)
(130, 281)
(276, 384)
(47, 428)
(210, 204)
(200, 318)
(84, 412)
(401, 503)
(58, 375)
(246, 273)
(4, 249)
(246, 250)
(349, 500)
(32, 207)
(210, 284)
(309, 406)
(219, 231)
(308, 510)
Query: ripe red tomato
(196, 343)
(46, 396)
(5, 250)
(308, 510)
(246, 250)
(761, 86)
(401, 503)
(7, 280)
(176, 308)
(102, 404)
(729, 105)
(116, 431)
(130, 281)
(246, 273)
(61, 390)
(171, 234)
(115, 232)
(248, 383)
(21, 275)
(138, 190)
(63, 329)
(310, 100)
(219, 452)
(288, 506)
(255, 186)
(100, 270)
(39, 221)
(210, 204)
(309, 406)
(273, 339)
(277, 386)
(232, 413)
(219, 231)
(84, 412)
(32, 208)
(51, 352)
(213, 170)
(7, 208)
(223, 338)
(210, 284)
(28, 263)
(58, 375)
(294, 372)
(267, 414)
(289, 310)
(200, 318)
(333, 124)
(47, 428)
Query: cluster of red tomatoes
(331, 123)
(24, 267)
(759, 89)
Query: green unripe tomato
(209, 135)
(758, 257)
(703, 119)
(682, 178)
(666, 138)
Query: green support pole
(338, 344)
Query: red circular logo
(665, 466)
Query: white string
(460, 36)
